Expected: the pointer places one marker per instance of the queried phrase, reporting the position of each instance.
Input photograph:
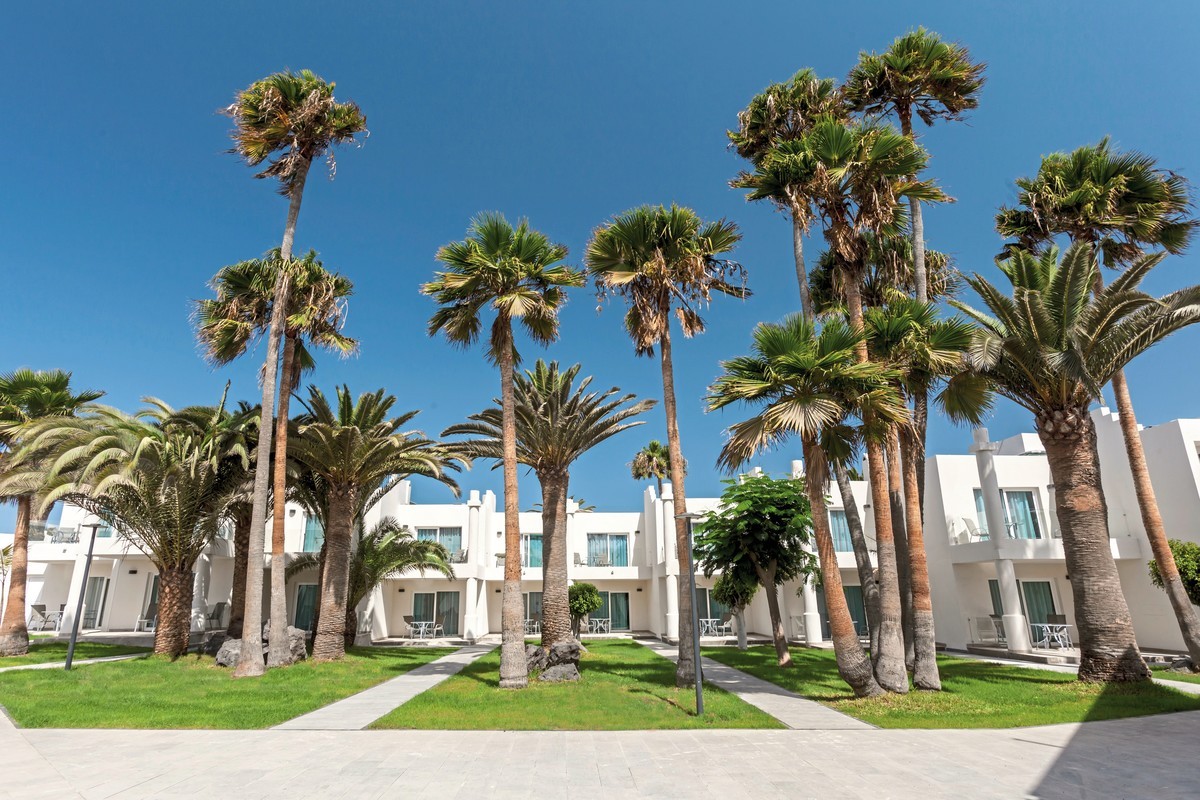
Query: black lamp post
(691, 519)
(87, 567)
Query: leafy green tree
(235, 319)
(1050, 347)
(517, 272)
(1187, 561)
(27, 395)
(285, 120)
(666, 262)
(583, 599)
(761, 526)
(558, 420)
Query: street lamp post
(691, 519)
(87, 567)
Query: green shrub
(1187, 559)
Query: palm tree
(355, 453)
(239, 315)
(557, 422)
(806, 382)
(517, 272)
(780, 113)
(27, 395)
(386, 550)
(284, 120)
(919, 73)
(161, 478)
(652, 461)
(664, 262)
(1120, 204)
(1050, 347)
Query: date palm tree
(652, 461)
(666, 262)
(558, 420)
(285, 121)
(805, 382)
(518, 273)
(27, 395)
(229, 324)
(1050, 347)
(355, 452)
(1121, 204)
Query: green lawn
(1161, 671)
(49, 652)
(625, 686)
(193, 692)
(976, 694)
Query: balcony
(978, 547)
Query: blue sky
(119, 201)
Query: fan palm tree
(1121, 204)
(285, 121)
(784, 112)
(558, 420)
(387, 550)
(161, 478)
(516, 271)
(356, 452)
(1050, 347)
(666, 262)
(239, 315)
(805, 383)
(924, 74)
(25, 396)
(652, 461)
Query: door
(314, 536)
(858, 608)
(1022, 515)
(618, 607)
(306, 606)
(447, 611)
(93, 602)
(997, 601)
(533, 606)
(1039, 601)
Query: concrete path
(1183, 686)
(789, 708)
(360, 710)
(79, 662)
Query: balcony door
(306, 606)
(614, 608)
(93, 602)
(430, 606)
(1020, 508)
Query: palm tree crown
(783, 111)
(27, 395)
(652, 461)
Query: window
(615, 609)
(980, 514)
(1021, 517)
(437, 607)
(707, 606)
(94, 597)
(841, 532)
(533, 605)
(531, 550)
(608, 550)
(314, 535)
(449, 538)
(105, 531)
(997, 602)
(1039, 601)
(306, 606)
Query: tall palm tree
(388, 549)
(806, 382)
(240, 315)
(665, 262)
(923, 74)
(356, 452)
(27, 395)
(652, 461)
(1121, 204)
(161, 478)
(516, 271)
(558, 420)
(1050, 347)
(285, 121)
(780, 113)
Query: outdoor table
(1046, 633)
(597, 626)
(708, 626)
(53, 618)
(422, 628)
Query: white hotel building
(995, 558)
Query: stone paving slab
(360, 710)
(798, 713)
(76, 663)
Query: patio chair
(973, 532)
(408, 621)
(439, 625)
(37, 617)
(578, 561)
(603, 560)
(725, 626)
(998, 623)
(458, 557)
(216, 617)
(149, 620)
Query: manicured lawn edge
(51, 652)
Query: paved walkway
(79, 662)
(360, 710)
(791, 709)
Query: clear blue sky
(119, 201)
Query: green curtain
(447, 607)
(603, 612)
(841, 532)
(533, 605)
(314, 535)
(423, 607)
(533, 550)
(597, 548)
(619, 607)
(306, 605)
(1022, 515)
(618, 550)
(997, 602)
(980, 513)
(858, 608)
(1039, 601)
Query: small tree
(736, 590)
(760, 528)
(1187, 561)
(583, 598)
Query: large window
(531, 550)
(533, 605)
(615, 609)
(707, 606)
(314, 535)
(437, 607)
(980, 514)
(1020, 513)
(841, 532)
(1039, 601)
(306, 606)
(608, 550)
(449, 538)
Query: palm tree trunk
(686, 666)
(330, 641)
(1108, 648)
(862, 555)
(14, 634)
(556, 609)
(173, 632)
(766, 577)
(889, 656)
(280, 656)
(921, 293)
(852, 663)
(1185, 612)
(925, 669)
(806, 303)
(237, 600)
(250, 663)
(514, 672)
(896, 506)
(920, 425)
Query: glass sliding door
(618, 611)
(858, 608)
(1022, 515)
(531, 550)
(314, 535)
(93, 602)
(423, 606)
(447, 612)
(608, 550)
(980, 514)
(841, 532)
(306, 606)
(533, 606)
(997, 602)
(1039, 601)
(618, 550)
